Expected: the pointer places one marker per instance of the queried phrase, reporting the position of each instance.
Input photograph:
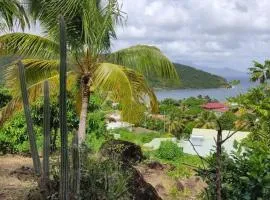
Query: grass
(183, 166)
(139, 138)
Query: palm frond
(128, 87)
(28, 45)
(148, 60)
(34, 93)
(12, 11)
(35, 70)
(88, 23)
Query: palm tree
(260, 71)
(206, 120)
(10, 11)
(90, 27)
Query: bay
(221, 94)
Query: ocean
(221, 94)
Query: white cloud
(212, 33)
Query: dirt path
(14, 183)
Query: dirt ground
(169, 188)
(16, 177)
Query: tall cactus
(76, 167)
(46, 131)
(29, 121)
(64, 186)
(45, 180)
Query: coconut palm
(92, 66)
(10, 11)
(260, 72)
(207, 120)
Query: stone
(126, 152)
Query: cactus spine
(76, 167)
(29, 121)
(46, 131)
(64, 186)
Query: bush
(5, 96)
(245, 175)
(169, 151)
(104, 180)
(14, 137)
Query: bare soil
(16, 177)
(170, 188)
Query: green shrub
(14, 137)
(5, 96)
(169, 150)
(104, 180)
(245, 175)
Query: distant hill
(226, 72)
(190, 77)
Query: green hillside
(190, 78)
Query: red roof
(215, 105)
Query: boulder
(140, 189)
(126, 152)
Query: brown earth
(170, 188)
(16, 177)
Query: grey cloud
(212, 33)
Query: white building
(204, 141)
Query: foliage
(260, 72)
(169, 150)
(227, 121)
(10, 11)
(153, 124)
(104, 180)
(206, 120)
(254, 108)
(14, 137)
(190, 78)
(234, 82)
(138, 138)
(245, 175)
(5, 96)
(97, 133)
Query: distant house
(216, 107)
(204, 141)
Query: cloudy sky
(204, 33)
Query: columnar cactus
(46, 131)
(29, 121)
(64, 185)
(76, 167)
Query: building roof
(214, 105)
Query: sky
(201, 33)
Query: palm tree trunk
(83, 114)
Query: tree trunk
(83, 114)
(218, 164)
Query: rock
(126, 152)
(24, 173)
(140, 189)
(180, 186)
(155, 165)
(160, 188)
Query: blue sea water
(220, 94)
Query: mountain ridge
(190, 77)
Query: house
(216, 107)
(203, 141)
